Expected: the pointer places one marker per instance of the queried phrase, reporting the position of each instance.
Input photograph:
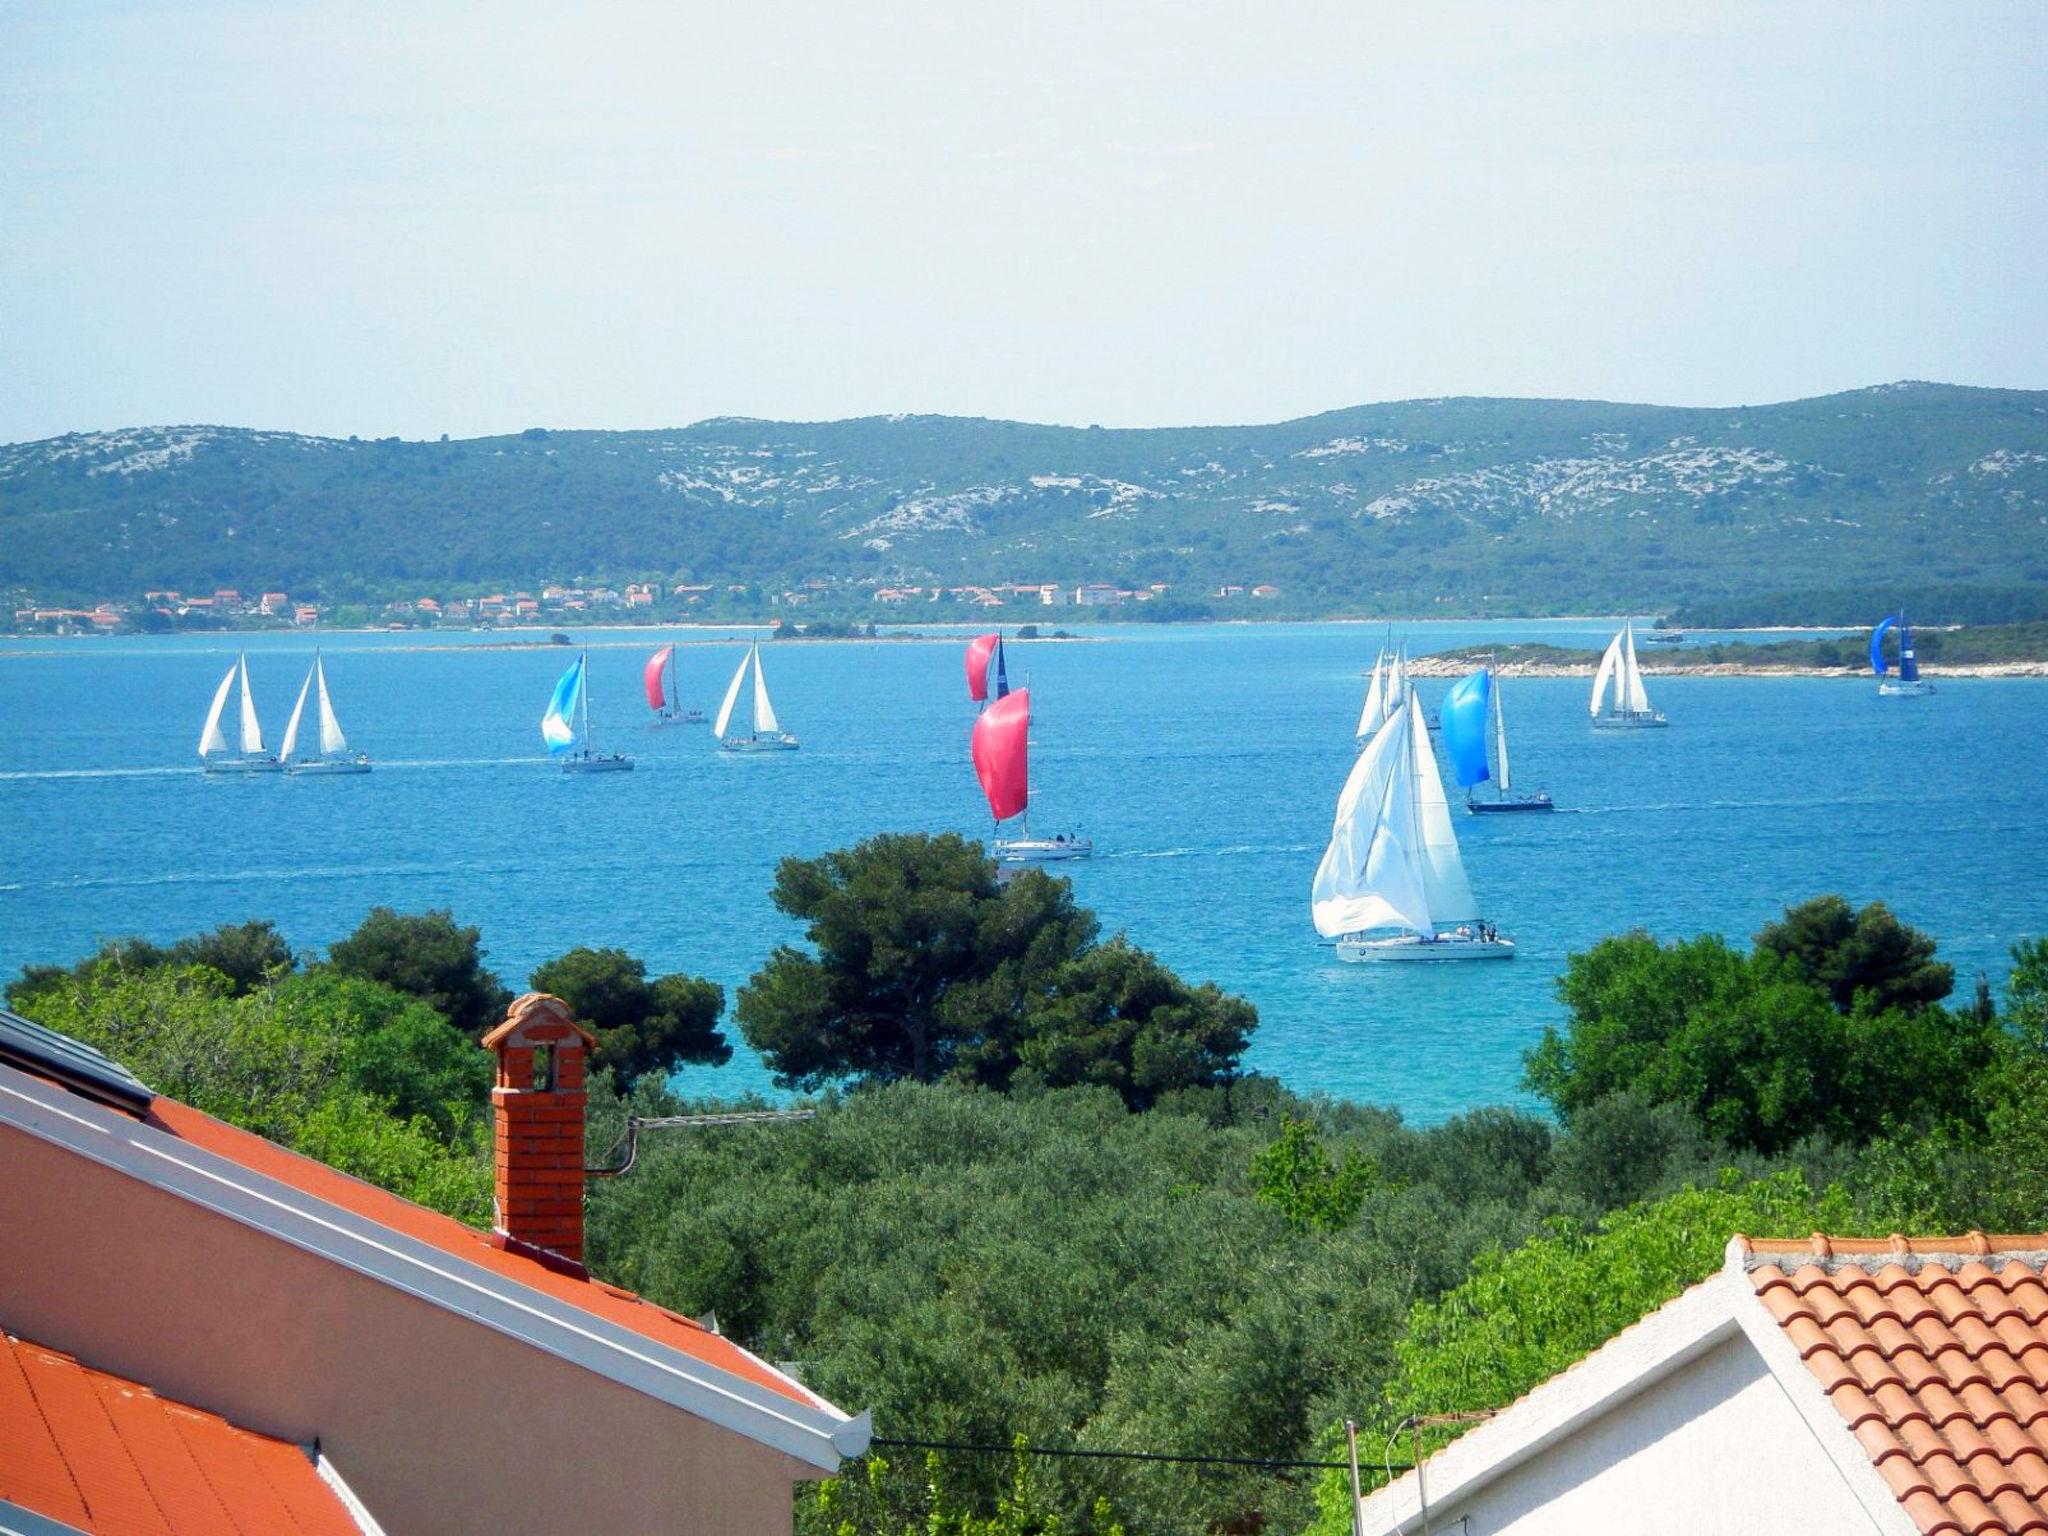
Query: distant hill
(1419, 506)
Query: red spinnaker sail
(1001, 749)
(657, 693)
(979, 649)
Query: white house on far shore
(1823, 1387)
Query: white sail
(1371, 874)
(252, 733)
(1638, 701)
(1375, 711)
(732, 697)
(1397, 683)
(210, 738)
(1609, 664)
(1500, 727)
(1445, 890)
(332, 742)
(765, 722)
(291, 726)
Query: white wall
(1715, 1447)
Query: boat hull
(1509, 807)
(1639, 721)
(1897, 690)
(691, 717)
(329, 765)
(246, 765)
(759, 744)
(1043, 850)
(610, 764)
(1413, 948)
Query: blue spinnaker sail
(1909, 664)
(1877, 643)
(558, 725)
(1463, 717)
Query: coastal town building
(193, 1313)
(1894, 1386)
(1096, 594)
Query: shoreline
(1435, 667)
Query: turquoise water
(1204, 760)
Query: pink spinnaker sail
(657, 692)
(979, 649)
(1001, 751)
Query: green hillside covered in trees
(1425, 506)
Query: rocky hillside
(1422, 505)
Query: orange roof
(1935, 1349)
(450, 1236)
(100, 1454)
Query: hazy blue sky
(433, 217)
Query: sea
(1204, 760)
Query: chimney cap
(538, 1018)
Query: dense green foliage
(1422, 506)
(643, 1027)
(1222, 1269)
(927, 965)
(428, 955)
(1831, 1026)
(1988, 646)
(2007, 606)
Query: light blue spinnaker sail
(1463, 715)
(558, 725)
(1877, 643)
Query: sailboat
(1391, 885)
(1629, 708)
(664, 692)
(566, 726)
(767, 734)
(1002, 752)
(332, 754)
(1471, 705)
(1383, 695)
(213, 746)
(1909, 683)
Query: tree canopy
(642, 1026)
(428, 955)
(1851, 955)
(925, 965)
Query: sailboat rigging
(1908, 683)
(1629, 708)
(566, 725)
(767, 734)
(1391, 885)
(331, 753)
(664, 691)
(213, 746)
(1468, 709)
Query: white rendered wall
(1715, 1447)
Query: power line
(967, 1448)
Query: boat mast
(583, 689)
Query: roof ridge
(1745, 1252)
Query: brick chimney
(538, 1108)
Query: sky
(436, 217)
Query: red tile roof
(104, 1455)
(450, 1236)
(1935, 1349)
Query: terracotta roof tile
(109, 1457)
(1935, 1352)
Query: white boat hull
(1640, 720)
(610, 764)
(1414, 947)
(783, 743)
(329, 765)
(245, 765)
(1896, 690)
(1043, 850)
